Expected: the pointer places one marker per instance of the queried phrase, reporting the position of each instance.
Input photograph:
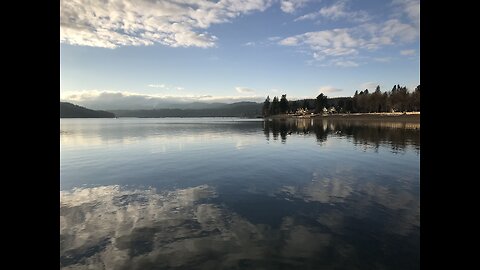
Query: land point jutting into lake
(395, 116)
(397, 102)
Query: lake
(231, 193)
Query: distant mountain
(195, 106)
(69, 110)
(111, 102)
(239, 109)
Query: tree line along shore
(398, 102)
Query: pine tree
(275, 106)
(266, 107)
(305, 104)
(320, 103)
(283, 104)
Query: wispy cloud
(410, 8)
(337, 11)
(244, 90)
(328, 89)
(163, 86)
(114, 23)
(346, 64)
(290, 41)
(126, 100)
(157, 85)
(289, 6)
(349, 42)
(407, 52)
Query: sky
(141, 53)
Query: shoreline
(403, 117)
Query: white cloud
(289, 6)
(290, 41)
(165, 87)
(250, 44)
(338, 10)
(346, 64)
(308, 16)
(125, 100)
(407, 52)
(328, 89)
(334, 11)
(157, 85)
(349, 42)
(394, 30)
(335, 42)
(243, 90)
(411, 8)
(114, 23)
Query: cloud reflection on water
(111, 227)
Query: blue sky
(142, 53)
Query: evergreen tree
(293, 106)
(266, 107)
(355, 102)
(283, 104)
(385, 103)
(361, 102)
(305, 104)
(320, 103)
(416, 99)
(275, 106)
(376, 100)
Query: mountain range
(194, 109)
(69, 110)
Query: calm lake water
(229, 193)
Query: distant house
(332, 110)
(301, 111)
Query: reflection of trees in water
(285, 127)
(398, 135)
(111, 228)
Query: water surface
(229, 193)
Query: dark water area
(230, 193)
